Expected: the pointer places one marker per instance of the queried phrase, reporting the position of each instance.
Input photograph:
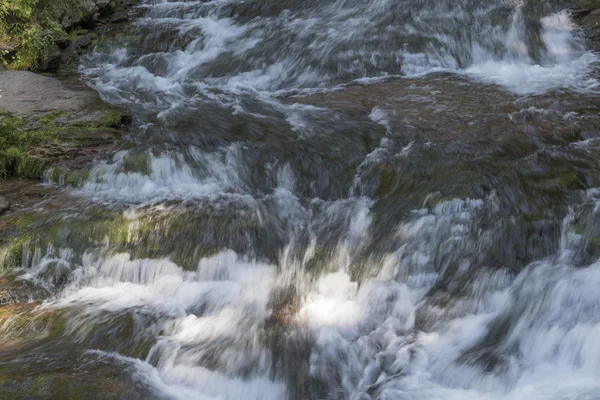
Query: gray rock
(4, 205)
(119, 16)
(84, 41)
(30, 95)
(81, 11)
(52, 63)
(91, 123)
(100, 4)
(88, 7)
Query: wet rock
(118, 17)
(63, 43)
(32, 96)
(100, 4)
(15, 291)
(4, 205)
(587, 15)
(52, 63)
(70, 111)
(69, 59)
(83, 41)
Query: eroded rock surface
(78, 125)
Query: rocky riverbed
(52, 125)
(244, 224)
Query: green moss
(64, 177)
(31, 167)
(136, 162)
(77, 34)
(11, 256)
(556, 182)
(113, 118)
(16, 144)
(51, 117)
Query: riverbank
(50, 121)
(50, 36)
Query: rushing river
(326, 199)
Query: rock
(119, 16)
(84, 41)
(62, 43)
(4, 205)
(52, 63)
(87, 127)
(29, 95)
(88, 7)
(69, 59)
(101, 4)
(5, 47)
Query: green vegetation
(15, 143)
(29, 30)
(22, 143)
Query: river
(332, 199)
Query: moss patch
(16, 142)
(29, 28)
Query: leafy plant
(30, 28)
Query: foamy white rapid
(504, 337)
(340, 199)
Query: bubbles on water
(425, 315)
(565, 63)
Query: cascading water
(351, 199)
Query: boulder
(52, 62)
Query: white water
(363, 332)
(385, 334)
(129, 79)
(567, 64)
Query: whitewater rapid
(343, 199)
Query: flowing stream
(327, 199)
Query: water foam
(567, 65)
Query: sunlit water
(334, 200)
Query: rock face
(91, 12)
(79, 19)
(29, 95)
(4, 205)
(81, 126)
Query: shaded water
(326, 200)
